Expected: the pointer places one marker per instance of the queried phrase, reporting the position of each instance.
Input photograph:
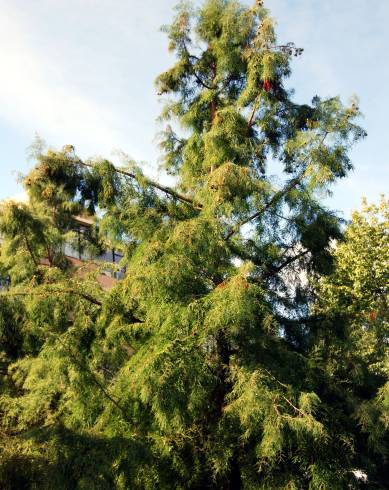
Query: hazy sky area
(82, 72)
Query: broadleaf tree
(197, 369)
(353, 301)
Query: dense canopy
(245, 346)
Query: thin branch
(92, 377)
(276, 197)
(271, 269)
(275, 379)
(243, 255)
(186, 51)
(82, 295)
(197, 77)
(85, 296)
(28, 246)
(214, 101)
(49, 255)
(284, 217)
(275, 270)
(152, 183)
(303, 414)
(192, 55)
(255, 107)
(284, 397)
(201, 81)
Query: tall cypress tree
(196, 370)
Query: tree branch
(29, 249)
(275, 270)
(197, 77)
(92, 377)
(82, 295)
(255, 107)
(152, 183)
(85, 296)
(284, 397)
(201, 82)
(276, 197)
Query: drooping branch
(93, 378)
(74, 357)
(283, 385)
(167, 190)
(83, 295)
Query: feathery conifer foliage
(197, 370)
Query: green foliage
(353, 304)
(215, 362)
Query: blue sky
(81, 72)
